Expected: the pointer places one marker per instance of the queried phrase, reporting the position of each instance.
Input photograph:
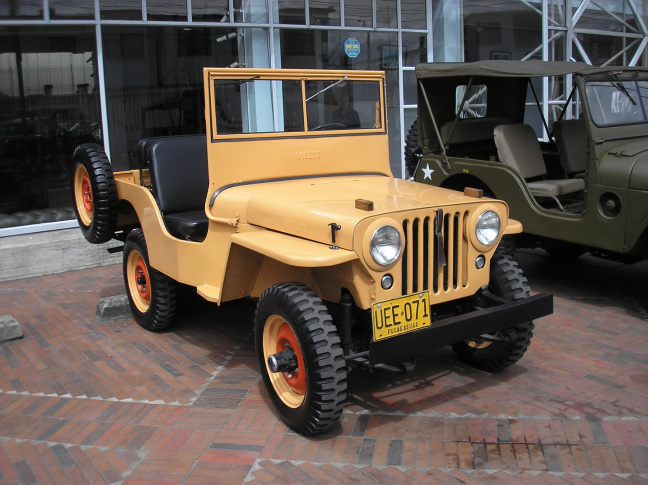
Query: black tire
(151, 294)
(94, 193)
(411, 149)
(311, 399)
(506, 281)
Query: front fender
(291, 250)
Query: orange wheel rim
(139, 281)
(289, 387)
(83, 195)
(286, 339)
(142, 279)
(86, 190)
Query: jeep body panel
(613, 214)
(254, 216)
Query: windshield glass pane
(342, 105)
(247, 106)
(613, 103)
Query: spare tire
(95, 193)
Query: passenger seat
(518, 147)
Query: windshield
(614, 102)
(252, 105)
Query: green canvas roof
(513, 69)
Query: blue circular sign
(352, 47)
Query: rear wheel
(504, 348)
(95, 193)
(300, 357)
(151, 294)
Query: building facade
(115, 71)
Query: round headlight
(488, 228)
(385, 245)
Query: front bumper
(495, 314)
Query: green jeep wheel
(308, 391)
(506, 281)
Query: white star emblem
(427, 172)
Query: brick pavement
(82, 402)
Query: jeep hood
(306, 208)
(626, 166)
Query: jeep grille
(421, 263)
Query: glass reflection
(49, 104)
(21, 9)
(166, 10)
(154, 83)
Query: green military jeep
(290, 201)
(584, 188)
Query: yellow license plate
(400, 315)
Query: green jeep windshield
(255, 105)
(614, 102)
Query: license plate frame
(401, 315)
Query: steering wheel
(330, 126)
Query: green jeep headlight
(386, 245)
(487, 228)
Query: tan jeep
(289, 198)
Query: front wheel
(300, 357)
(151, 294)
(506, 347)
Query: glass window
(255, 12)
(290, 12)
(210, 10)
(324, 12)
(21, 9)
(357, 13)
(166, 9)
(505, 30)
(49, 104)
(386, 16)
(64, 9)
(613, 103)
(154, 83)
(120, 9)
(410, 95)
(413, 14)
(414, 49)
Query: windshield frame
(244, 76)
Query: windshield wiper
(327, 88)
(619, 85)
(237, 82)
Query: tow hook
(284, 361)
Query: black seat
(180, 179)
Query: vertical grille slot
(420, 262)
